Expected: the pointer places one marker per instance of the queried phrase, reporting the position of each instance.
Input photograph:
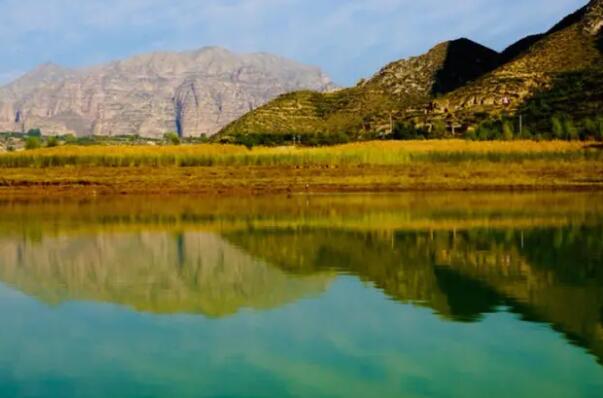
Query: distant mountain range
(456, 86)
(193, 93)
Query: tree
(34, 133)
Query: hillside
(367, 106)
(194, 93)
(560, 72)
(454, 87)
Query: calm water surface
(431, 295)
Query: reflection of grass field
(380, 214)
(371, 166)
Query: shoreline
(266, 181)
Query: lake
(426, 295)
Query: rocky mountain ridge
(193, 93)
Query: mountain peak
(48, 69)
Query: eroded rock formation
(193, 93)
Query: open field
(361, 167)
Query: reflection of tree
(158, 272)
(554, 276)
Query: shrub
(589, 128)
(32, 143)
(557, 127)
(172, 137)
(405, 131)
(470, 134)
(488, 130)
(507, 130)
(526, 133)
(52, 142)
(569, 129)
(599, 130)
(438, 129)
(70, 139)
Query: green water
(431, 295)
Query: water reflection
(155, 271)
(463, 256)
(546, 275)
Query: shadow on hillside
(465, 61)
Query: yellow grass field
(359, 167)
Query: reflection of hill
(555, 276)
(157, 272)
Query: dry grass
(359, 167)
(367, 153)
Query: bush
(70, 139)
(406, 131)
(438, 129)
(526, 133)
(557, 127)
(32, 143)
(507, 130)
(470, 134)
(569, 129)
(52, 142)
(172, 138)
(599, 132)
(489, 130)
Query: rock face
(193, 93)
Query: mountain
(367, 106)
(454, 87)
(193, 93)
(560, 71)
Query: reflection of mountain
(554, 276)
(158, 272)
(463, 256)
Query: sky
(348, 39)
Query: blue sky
(349, 39)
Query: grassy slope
(371, 166)
(367, 107)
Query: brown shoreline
(271, 180)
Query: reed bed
(366, 153)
